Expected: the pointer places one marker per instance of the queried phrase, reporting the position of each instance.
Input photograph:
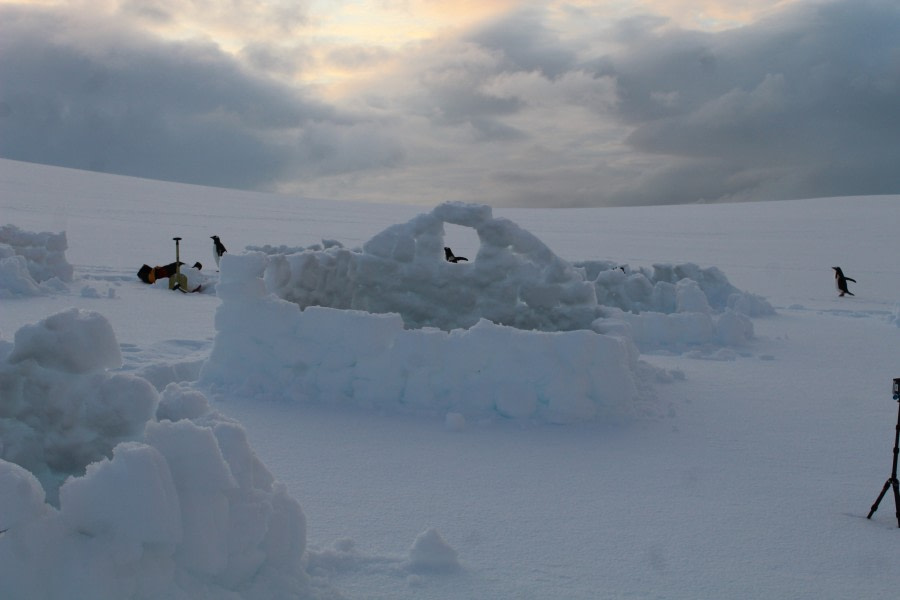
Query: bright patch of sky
(328, 42)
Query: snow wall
(32, 264)
(514, 280)
(516, 332)
(110, 490)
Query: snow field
(748, 475)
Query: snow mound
(58, 342)
(59, 408)
(32, 264)
(430, 553)
(123, 492)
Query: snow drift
(125, 493)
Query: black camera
(897, 388)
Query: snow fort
(514, 332)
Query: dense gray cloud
(536, 108)
(131, 104)
(527, 44)
(803, 104)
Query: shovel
(178, 281)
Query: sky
(542, 103)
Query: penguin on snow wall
(218, 249)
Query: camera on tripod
(892, 481)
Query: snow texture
(120, 478)
(32, 264)
(147, 495)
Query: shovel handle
(177, 258)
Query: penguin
(841, 280)
(218, 249)
(448, 254)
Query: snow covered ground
(655, 439)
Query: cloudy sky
(511, 103)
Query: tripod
(892, 480)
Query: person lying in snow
(149, 274)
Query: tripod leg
(896, 487)
(884, 490)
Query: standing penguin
(841, 280)
(218, 249)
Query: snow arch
(514, 279)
